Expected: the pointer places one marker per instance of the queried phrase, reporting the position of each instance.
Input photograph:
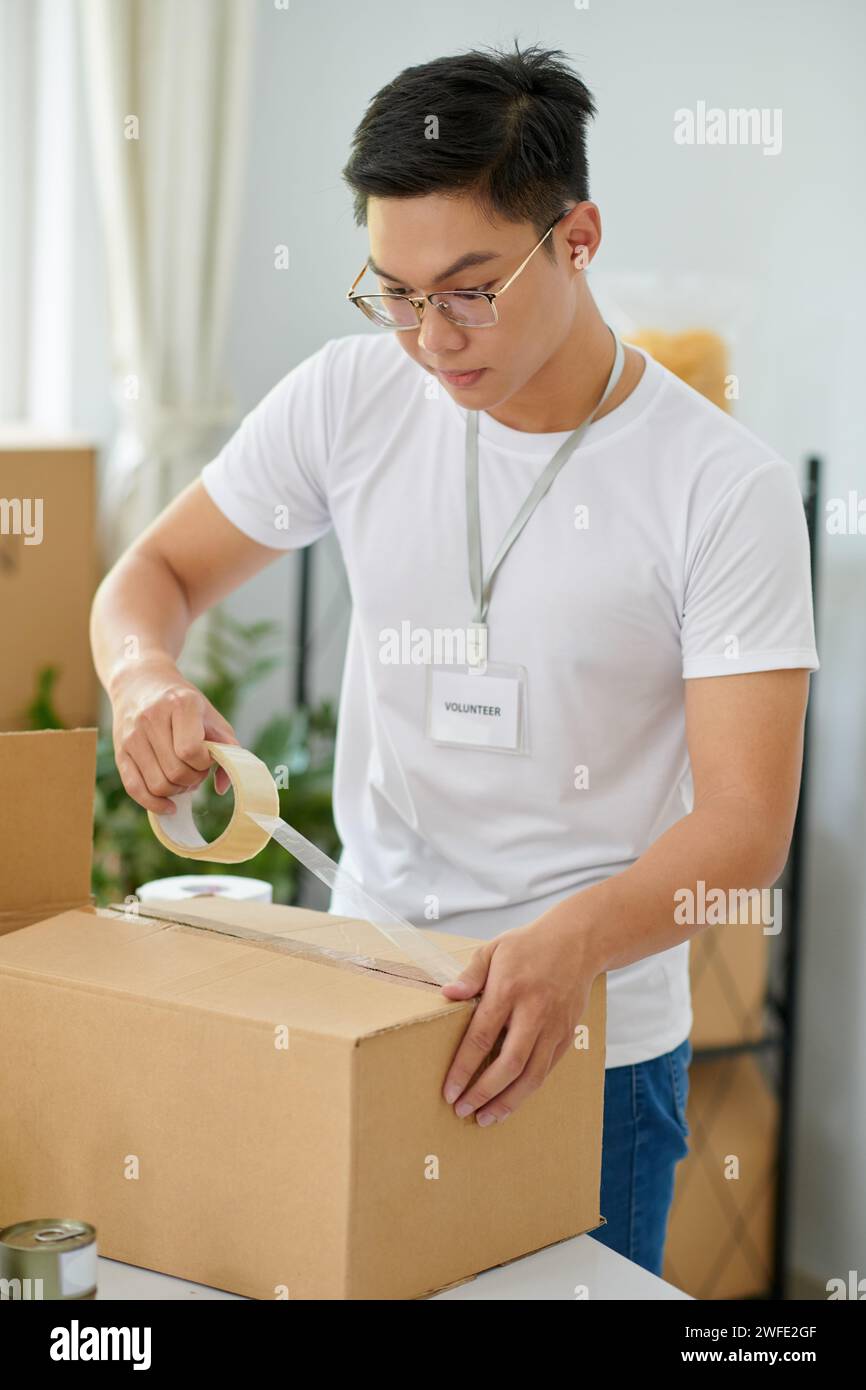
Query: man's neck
(571, 383)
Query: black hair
(511, 131)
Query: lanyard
(481, 592)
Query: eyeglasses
(466, 308)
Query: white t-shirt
(694, 562)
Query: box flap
(238, 977)
(46, 822)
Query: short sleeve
(747, 602)
(269, 479)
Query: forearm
(726, 843)
(140, 612)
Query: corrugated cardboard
(143, 1090)
(720, 1235)
(729, 966)
(46, 589)
(730, 970)
(46, 823)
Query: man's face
(414, 240)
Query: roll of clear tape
(255, 820)
(255, 792)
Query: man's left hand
(536, 982)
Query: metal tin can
(48, 1260)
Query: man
(629, 726)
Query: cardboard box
(270, 1121)
(48, 569)
(46, 823)
(720, 1234)
(729, 968)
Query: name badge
(472, 708)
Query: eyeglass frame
(418, 300)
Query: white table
(551, 1274)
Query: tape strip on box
(255, 820)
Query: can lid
(47, 1234)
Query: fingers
(474, 977)
(143, 766)
(187, 731)
(217, 728)
(137, 789)
(520, 1068)
(220, 731)
(498, 1105)
(160, 744)
(170, 761)
(478, 1042)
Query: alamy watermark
(711, 125)
(22, 516)
(729, 906)
(21, 1289)
(439, 646)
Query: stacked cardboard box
(48, 569)
(720, 1241)
(720, 1235)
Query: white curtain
(37, 192)
(167, 84)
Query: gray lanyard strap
(481, 591)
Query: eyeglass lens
(466, 308)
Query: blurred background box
(729, 966)
(720, 1233)
(46, 589)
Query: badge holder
(478, 704)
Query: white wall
(791, 223)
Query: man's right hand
(161, 722)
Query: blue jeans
(645, 1136)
